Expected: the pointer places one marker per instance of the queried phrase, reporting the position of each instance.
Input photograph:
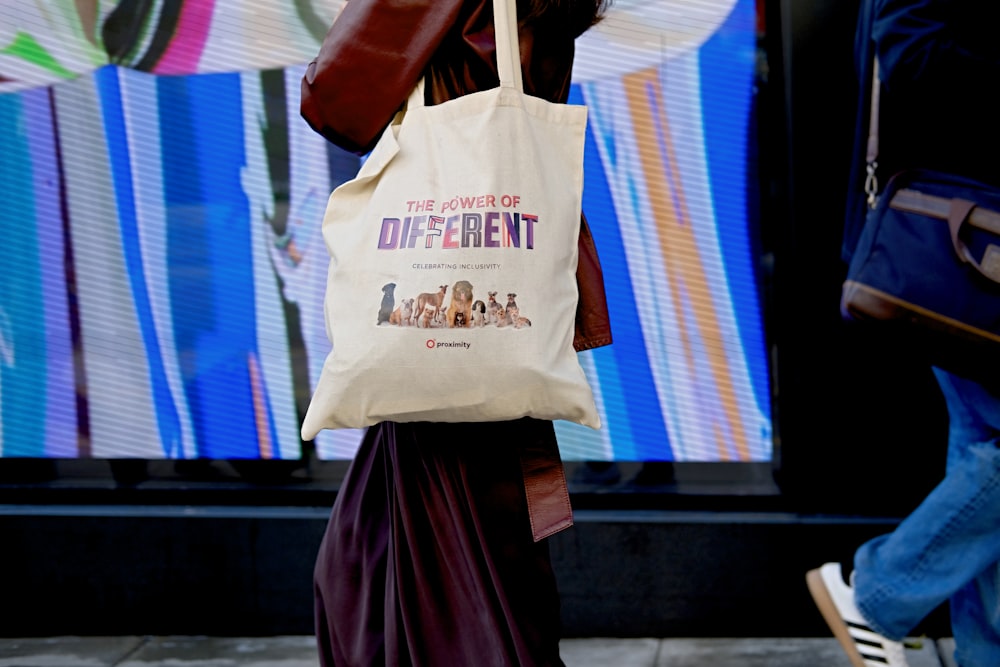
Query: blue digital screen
(162, 271)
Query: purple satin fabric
(428, 558)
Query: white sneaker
(835, 599)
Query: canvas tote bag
(451, 294)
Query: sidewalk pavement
(300, 651)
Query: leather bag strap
(871, 155)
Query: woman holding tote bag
(435, 550)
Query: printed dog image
(435, 299)
(426, 319)
(388, 301)
(461, 302)
(403, 315)
(511, 303)
(511, 313)
(493, 309)
(478, 313)
(459, 319)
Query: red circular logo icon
(431, 343)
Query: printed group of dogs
(429, 310)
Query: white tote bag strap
(508, 52)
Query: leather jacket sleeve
(379, 51)
(593, 322)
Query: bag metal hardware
(871, 184)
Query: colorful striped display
(162, 271)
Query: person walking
(935, 57)
(435, 551)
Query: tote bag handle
(508, 52)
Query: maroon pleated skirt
(429, 559)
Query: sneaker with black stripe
(835, 600)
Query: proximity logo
(437, 345)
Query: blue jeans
(948, 549)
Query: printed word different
(491, 229)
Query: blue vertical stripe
(59, 400)
(633, 413)
(211, 281)
(168, 421)
(727, 66)
(23, 362)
